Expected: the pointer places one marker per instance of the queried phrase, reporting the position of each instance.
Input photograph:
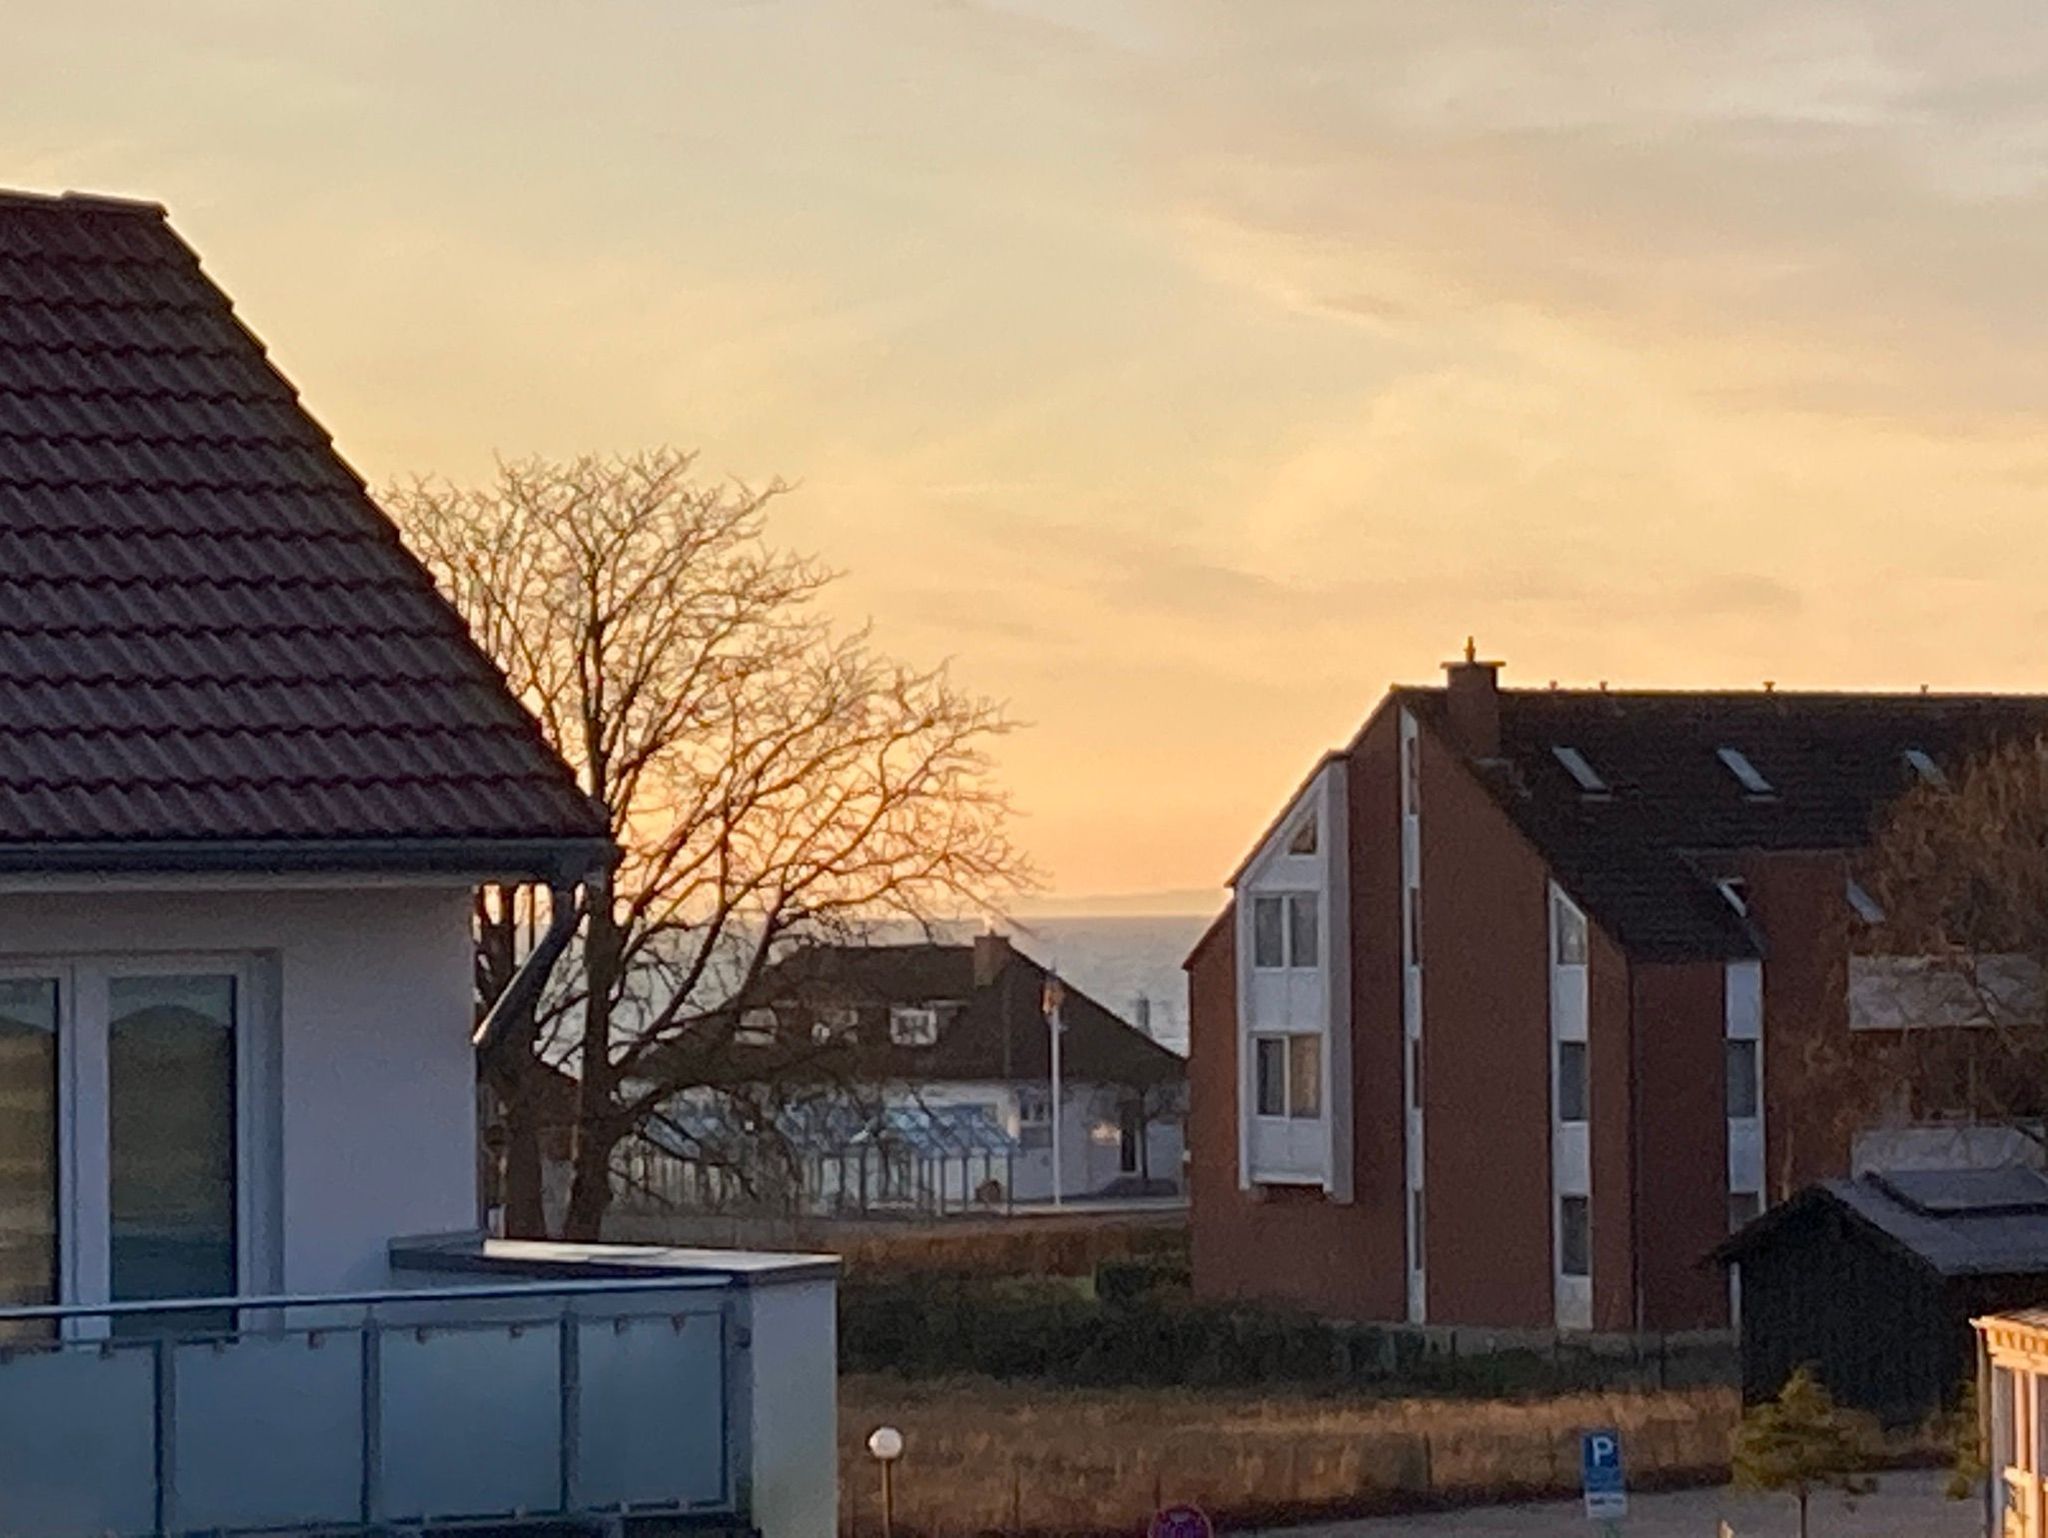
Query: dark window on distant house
(1742, 1085)
(1270, 1065)
(1303, 943)
(1130, 1136)
(1269, 932)
(1571, 1081)
(1415, 1235)
(912, 1026)
(1570, 927)
(1743, 1206)
(1575, 1235)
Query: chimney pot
(1472, 696)
(991, 955)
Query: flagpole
(1056, 1028)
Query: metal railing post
(373, 1416)
(569, 1369)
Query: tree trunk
(590, 1187)
(524, 1183)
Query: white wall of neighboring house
(359, 1111)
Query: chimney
(991, 955)
(1472, 695)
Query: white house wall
(372, 1130)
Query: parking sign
(1602, 1476)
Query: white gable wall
(360, 1124)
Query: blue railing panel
(266, 1432)
(650, 1410)
(78, 1442)
(471, 1421)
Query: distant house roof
(1954, 1222)
(213, 646)
(1638, 852)
(989, 1030)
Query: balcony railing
(448, 1404)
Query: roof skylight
(1576, 766)
(1867, 908)
(1744, 771)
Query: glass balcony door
(122, 1095)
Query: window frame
(1582, 1082)
(900, 1017)
(84, 1110)
(1572, 1201)
(1568, 919)
(1287, 905)
(1285, 1047)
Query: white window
(126, 1141)
(1569, 927)
(1863, 905)
(1285, 930)
(1304, 839)
(1925, 767)
(1746, 773)
(1575, 1236)
(913, 1026)
(1571, 1081)
(1742, 1078)
(1288, 1071)
(1585, 774)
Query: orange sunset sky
(1187, 371)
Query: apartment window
(1746, 774)
(1289, 1075)
(913, 1026)
(1575, 1236)
(1414, 925)
(1569, 932)
(1742, 1080)
(1415, 1233)
(1571, 1081)
(1304, 840)
(1302, 938)
(1575, 765)
(1269, 932)
(1743, 1206)
(1284, 930)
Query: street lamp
(885, 1445)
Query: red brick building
(1528, 995)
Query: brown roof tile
(208, 633)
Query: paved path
(1905, 1506)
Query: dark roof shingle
(209, 634)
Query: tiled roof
(1639, 857)
(1991, 1222)
(994, 1031)
(208, 633)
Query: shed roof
(212, 643)
(1991, 1222)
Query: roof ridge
(96, 202)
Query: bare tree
(769, 780)
(1944, 972)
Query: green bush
(1143, 1331)
(1126, 1281)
